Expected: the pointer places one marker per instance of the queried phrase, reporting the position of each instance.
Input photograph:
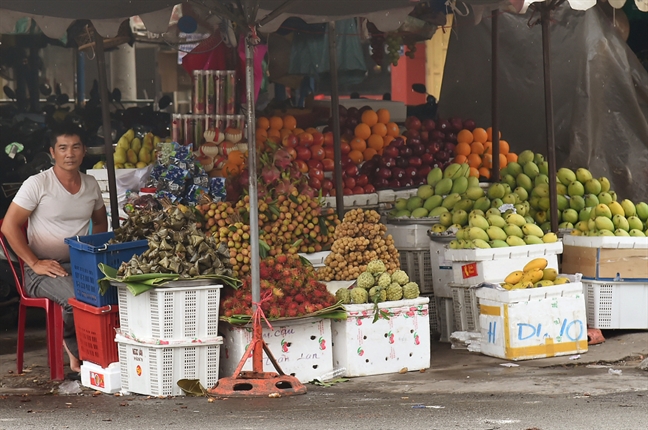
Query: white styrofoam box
(474, 266)
(302, 347)
(170, 313)
(466, 308)
(533, 323)
(353, 201)
(333, 286)
(418, 266)
(399, 339)
(154, 370)
(316, 258)
(101, 175)
(528, 251)
(606, 241)
(616, 305)
(410, 236)
(445, 310)
(390, 196)
(107, 380)
(441, 267)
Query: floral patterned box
(399, 339)
(302, 347)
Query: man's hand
(51, 268)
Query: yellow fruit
(131, 156)
(544, 283)
(99, 165)
(561, 280)
(123, 143)
(549, 274)
(507, 286)
(532, 230)
(136, 145)
(144, 155)
(141, 165)
(119, 156)
(119, 166)
(129, 135)
(534, 275)
(538, 263)
(550, 237)
(514, 277)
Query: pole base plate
(257, 384)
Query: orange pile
(374, 133)
(476, 149)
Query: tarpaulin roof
(54, 17)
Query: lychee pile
(292, 288)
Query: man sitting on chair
(58, 203)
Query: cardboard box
(533, 323)
(606, 258)
(302, 347)
(399, 339)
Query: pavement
(451, 370)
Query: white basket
(154, 370)
(465, 305)
(170, 313)
(445, 310)
(616, 305)
(418, 266)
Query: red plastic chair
(54, 315)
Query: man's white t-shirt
(56, 213)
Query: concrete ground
(460, 390)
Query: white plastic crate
(442, 274)
(399, 339)
(614, 242)
(511, 252)
(390, 196)
(410, 236)
(170, 313)
(154, 370)
(534, 322)
(434, 315)
(418, 266)
(616, 305)
(107, 380)
(466, 308)
(302, 347)
(445, 310)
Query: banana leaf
(138, 284)
(336, 312)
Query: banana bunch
(534, 275)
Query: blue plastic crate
(86, 252)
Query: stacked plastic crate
(96, 314)
(168, 334)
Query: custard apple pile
(377, 285)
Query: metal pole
(254, 204)
(495, 177)
(107, 132)
(551, 144)
(335, 112)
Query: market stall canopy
(54, 17)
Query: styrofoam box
(533, 323)
(399, 339)
(317, 258)
(616, 305)
(495, 264)
(170, 313)
(107, 380)
(154, 370)
(356, 200)
(465, 305)
(410, 237)
(615, 242)
(442, 274)
(302, 347)
(101, 175)
(390, 196)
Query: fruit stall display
(535, 274)
(475, 147)
(377, 285)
